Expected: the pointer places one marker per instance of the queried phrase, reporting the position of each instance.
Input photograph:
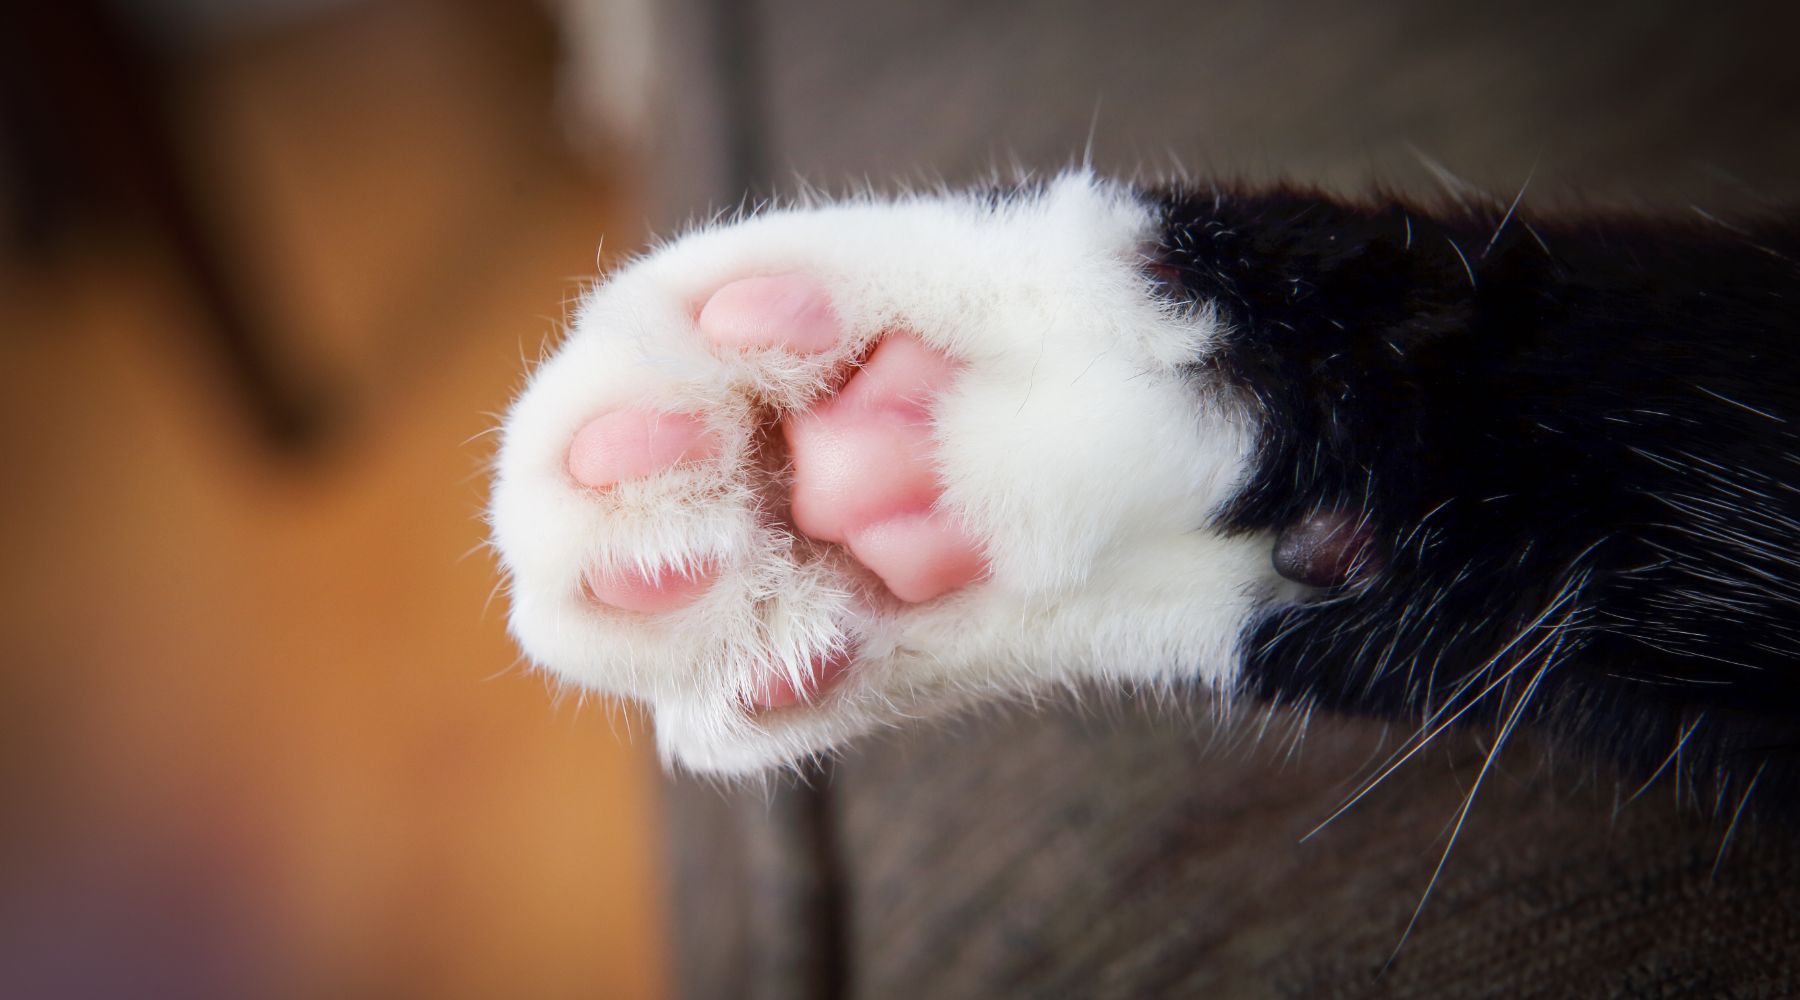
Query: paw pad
(634, 443)
(657, 591)
(859, 470)
(789, 311)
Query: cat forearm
(1563, 445)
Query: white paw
(829, 469)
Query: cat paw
(831, 469)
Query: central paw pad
(865, 474)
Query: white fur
(1069, 442)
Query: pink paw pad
(865, 474)
(919, 556)
(655, 592)
(633, 443)
(790, 311)
(863, 463)
(779, 690)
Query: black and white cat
(838, 467)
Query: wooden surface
(1119, 851)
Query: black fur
(1572, 446)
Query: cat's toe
(780, 689)
(635, 442)
(788, 311)
(653, 591)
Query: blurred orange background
(265, 732)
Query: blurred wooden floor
(265, 731)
